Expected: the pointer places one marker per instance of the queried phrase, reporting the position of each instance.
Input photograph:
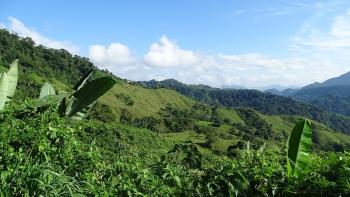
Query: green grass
(230, 115)
(184, 136)
(147, 102)
(279, 125)
(203, 123)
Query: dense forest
(263, 102)
(332, 98)
(138, 141)
(332, 95)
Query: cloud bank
(22, 30)
(166, 59)
(316, 54)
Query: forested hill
(62, 69)
(332, 95)
(39, 63)
(263, 102)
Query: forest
(68, 128)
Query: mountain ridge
(263, 102)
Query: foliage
(46, 90)
(3, 89)
(265, 103)
(125, 98)
(82, 100)
(45, 154)
(176, 120)
(8, 83)
(299, 146)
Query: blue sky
(248, 43)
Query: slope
(161, 110)
(263, 102)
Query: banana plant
(8, 83)
(85, 96)
(81, 101)
(83, 80)
(46, 90)
(298, 147)
(3, 89)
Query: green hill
(164, 110)
(265, 103)
(150, 142)
(332, 95)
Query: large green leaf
(83, 80)
(3, 89)
(12, 76)
(299, 146)
(81, 100)
(46, 90)
(82, 113)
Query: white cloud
(334, 38)
(168, 60)
(111, 57)
(341, 25)
(167, 54)
(327, 47)
(317, 55)
(22, 30)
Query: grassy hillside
(334, 98)
(44, 154)
(161, 110)
(149, 142)
(141, 102)
(265, 103)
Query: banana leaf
(3, 89)
(12, 75)
(299, 146)
(83, 80)
(47, 90)
(82, 100)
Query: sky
(250, 43)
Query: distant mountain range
(332, 94)
(272, 87)
(265, 103)
(228, 119)
(342, 80)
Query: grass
(147, 102)
(230, 115)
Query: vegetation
(332, 95)
(332, 98)
(150, 142)
(8, 83)
(299, 146)
(45, 154)
(263, 102)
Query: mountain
(131, 103)
(332, 95)
(154, 141)
(263, 102)
(284, 92)
(342, 80)
(233, 87)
